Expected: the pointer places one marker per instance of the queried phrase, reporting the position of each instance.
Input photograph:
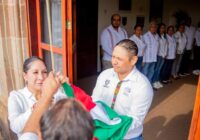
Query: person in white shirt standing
(162, 53)
(185, 63)
(110, 37)
(171, 54)
(138, 39)
(181, 41)
(125, 89)
(150, 55)
(196, 70)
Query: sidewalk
(170, 115)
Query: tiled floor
(171, 111)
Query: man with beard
(110, 37)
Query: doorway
(156, 10)
(87, 26)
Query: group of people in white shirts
(162, 52)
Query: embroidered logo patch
(106, 84)
(127, 91)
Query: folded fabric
(109, 125)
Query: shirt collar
(119, 28)
(27, 93)
(132, 76)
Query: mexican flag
(108, 124)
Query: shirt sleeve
(140, 106)
(106, 42)
(16, 116)
(29, 136)
(97, 92)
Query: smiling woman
(21, 103)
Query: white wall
(109, 7)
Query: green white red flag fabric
(108, 124)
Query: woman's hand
(62, 79)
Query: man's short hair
(115, 15)
(130, 46)
(67, 120)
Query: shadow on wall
(159, 129)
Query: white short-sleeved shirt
(134, 97)
(109, 38)
(171, 53)
(152, 45)
(181, 41)
(20, 104)
(163, 44)
(28, 136)
(197, 37)
(189, 32)
(140, 44)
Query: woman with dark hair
(162, 53)
(138, 39)
(22, 102)
(68, 119)
(171, 55)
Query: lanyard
(116, 93)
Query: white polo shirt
(28, 136)
(152, 44)
(181, 41)
(197, 37)
(140, 44)
(163, 46)
(109, 38)
(133, 100)
(20, 104)
(171, 53)
(189, 32)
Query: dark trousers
(197, 57)
(185, 63)
(166, 69)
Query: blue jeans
(148, 70)
(139, 63)
(158, 67)
(166, 69)
(138, 138)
